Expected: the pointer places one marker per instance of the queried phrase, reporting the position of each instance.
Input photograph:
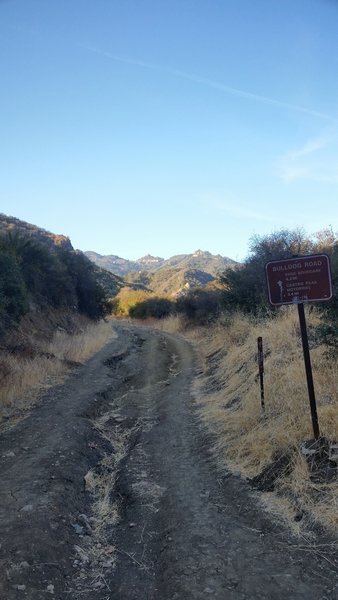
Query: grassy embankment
(41, 351)
(250, 442)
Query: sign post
(295, 281)
(308, 371)
(260, 360)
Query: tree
(245, 287)
(200, 306)
(91, 298)
(44, 274)
(328, 331)
(13, 292)
(34, 272)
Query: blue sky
(159, 126)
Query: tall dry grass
(228, 396)
(171, 324)
(80, 346)
(22, 376)
(251, 438)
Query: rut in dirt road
(181, 530)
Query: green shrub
(126, 299)
(200, 306)
(245, 287)
(158, 308)
(33, 272)
(90, 297)
(13, 292)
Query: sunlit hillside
(52, 301)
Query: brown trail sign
(295, 281)
(302, 279)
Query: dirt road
(109, 491)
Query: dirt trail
(184, 530)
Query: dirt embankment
(109, 490)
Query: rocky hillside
(200, 260)
(40, 272)
(114, 264)
(52, 240)
(171, 281)
(14, 228)
(174, 276)
(122, 266)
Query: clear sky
(163, 126)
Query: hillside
(172, 276)
(171, 281)
(41, 272)
(15, 229)
(110, 283)
(201, 260)
(114, 264)
(13, 225)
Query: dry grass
(172, 324)
(228, 396)
(254, 439)
(97, 550)
(20, 377)
(24, 375)
(101, 483)
(79, 347)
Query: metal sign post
(308, 371)
(260, 360)
(295, 281)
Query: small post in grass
(260, 360)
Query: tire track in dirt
(109, 490)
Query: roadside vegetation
(51, 310)
(33, 276)
(45, 357)
(274, 449)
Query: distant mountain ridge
(200, 260)
(170, 277)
